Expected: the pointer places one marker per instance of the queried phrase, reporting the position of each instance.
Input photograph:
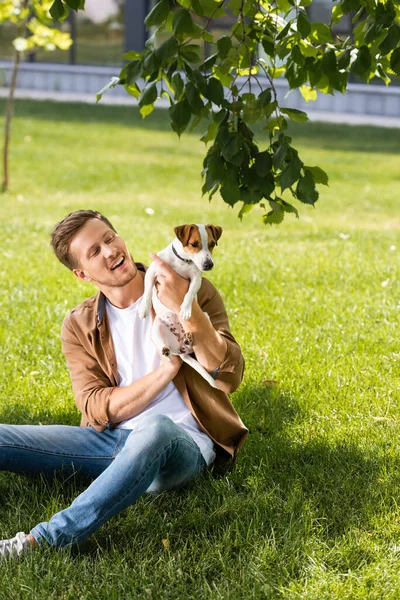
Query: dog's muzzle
(208, 265)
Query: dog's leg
(186, 306)
(159, 337)
(166, 337)
(149, 280)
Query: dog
(189, 254)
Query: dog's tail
(200, 369)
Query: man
(148, 424)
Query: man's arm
(98, 398)
(126, 402)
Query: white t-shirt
(136, 357)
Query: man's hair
(66, 229)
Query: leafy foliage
(233, 89)
(34, 21)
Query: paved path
(126, 100)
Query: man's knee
(159, 429)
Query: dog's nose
(208, 265)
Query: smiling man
(148, 424)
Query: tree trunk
(9, 113)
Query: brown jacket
(88, 348)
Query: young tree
(228, 89)
(34, 30)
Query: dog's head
(198, 242)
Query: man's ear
(183, 232)
(81, 274)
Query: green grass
(311, 509)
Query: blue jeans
(158, 455)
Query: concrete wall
(360, 99)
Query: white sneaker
(14, 546)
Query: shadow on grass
(335, 477)
(289, 485)
(360, 138)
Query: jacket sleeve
(231, 370)
(92, 387)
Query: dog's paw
(185, 312)
(143, 310)
(187, 338)
(165, 351)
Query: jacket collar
(101, 299)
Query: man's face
(102, 256)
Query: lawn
(311, 508)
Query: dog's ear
(216, 231)
(183, 232)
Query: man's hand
(171, 364)
(171, 287)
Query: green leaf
(109, 86)
(275, 216)
(280, 153)
(372, 32)
(230, 191)
(194, 99)
(318, 174)
(167, 50)
(344, 59)
(320, 33)
(395, 61)
(303, 24)
(350, 5)
(268, 45)
(133, 71)
(151, 63)
(308, 93)
(191, 54)
(215, 91)
(298, 116)
(74, 4)
(246, 208)
(305, 189)
(158, 15)
(328, 62)
(264, 98)
(250, 196)
(197, 7)
(146, 110)
(290, 173)
(200, 81)
(178, 85)
(289, 208)
(131, 55)
(182, 23)
(224, 44)
(149, 95)
(362, 65)
(58, 10)
(180, 114)
(337, 13)
(133, 90)
(263, 163)
(391, 40)
(210, 134)
(385, 14)
(210, 62)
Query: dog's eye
(212, 245)
(194, 244)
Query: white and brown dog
(189, 255)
